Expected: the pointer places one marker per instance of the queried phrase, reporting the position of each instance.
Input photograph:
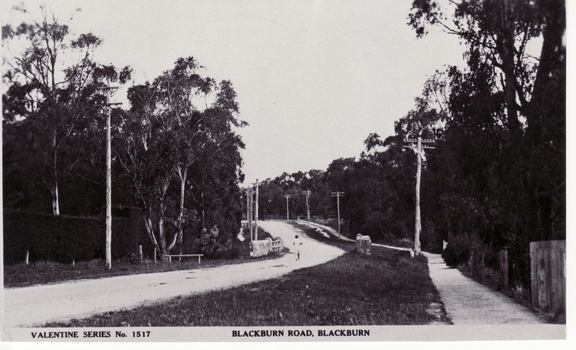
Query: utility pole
(307, 193)
(249, 212)
(338, 195)
(420, 145)
(256, 212)
(109, 178)
(287, 210)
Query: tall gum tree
(166, 134)
(52, 82)
(531, 88)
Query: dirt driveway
(34, 306)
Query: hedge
(64, 238)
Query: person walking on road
(297, 244)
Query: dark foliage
(457, 252)
(63, 238)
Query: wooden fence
(548, 275)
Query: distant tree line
(497, 175)
(176, 151)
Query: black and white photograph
(286, 173)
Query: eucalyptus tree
(53, 92)
(506, 124)
(166, 133)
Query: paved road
(29, 306)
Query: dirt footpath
(468, 302)
(36, 305)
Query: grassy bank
(386, 288)
(44, 272)
(315, 234)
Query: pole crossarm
(421, 140)
(424, 143)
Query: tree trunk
(150, 230)
(55, 199)
(161, 233)
(183, 176)
(507, 55)
(546, 117)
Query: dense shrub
(457, 252)
(65, 238)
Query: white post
(418, 172)
(27, 256)
(141, 256)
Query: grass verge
(386, 288)
(315, 234)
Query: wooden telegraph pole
(256, 213)
(249, 212)
(338, 195)
(109, 178)
(420, 145)
(307, 193)
(287, 210)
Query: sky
(313, 78)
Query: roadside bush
(133, 258)
(492, 259)
(402, 242)
(457, 252)
(213, 246)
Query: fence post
(548, 274)
(27, 256)
(141, 256)
(474, 261)
(504, 266)
(533, 284)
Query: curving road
(36, 305)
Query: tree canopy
(497, 174)
(176, 151)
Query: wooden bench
(184, 256)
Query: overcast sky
(313, 78)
